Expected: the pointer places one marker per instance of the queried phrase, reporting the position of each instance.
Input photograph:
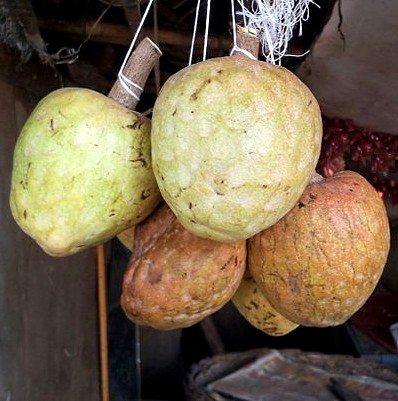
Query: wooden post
(102, 310)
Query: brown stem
(247, 39)
(137, 69)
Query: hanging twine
(275, 20)
(131, 87)
(272, 20)
(195, 27)
(247, 33)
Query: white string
(68, 55)
(127, 83)
(243, 51)
(244, 16)
(233, 23)
(275, 21)
(206, 35)
(206, 30)
(235, 47)
(194, 33)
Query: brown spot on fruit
(145, 194)
(294, 283)
(254, 304)
(141, 161)
(137, 123)
(154, 276)
(195, 94)
(256, 309)
(228, 262)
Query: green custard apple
(234, 144)
(82, 171)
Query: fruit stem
(137, 69)
(247, 39)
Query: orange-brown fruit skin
(321, 262)
(175, 279)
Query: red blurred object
(372, 154)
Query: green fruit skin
(234, 144)
(81, 172)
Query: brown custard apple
(320, 263)
(82, 171)
(174, 278)
(234, 144)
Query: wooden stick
(103, 321)
(137, 69)
(248, 39)
(212, 336)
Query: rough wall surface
(48, 306)
(356, 77)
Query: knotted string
(235, 47)
(275, 21)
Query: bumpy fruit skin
(321, 262)
(175, 279)
(234, 144)
(82, 171)
(255, 308)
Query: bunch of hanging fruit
(219, 190)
